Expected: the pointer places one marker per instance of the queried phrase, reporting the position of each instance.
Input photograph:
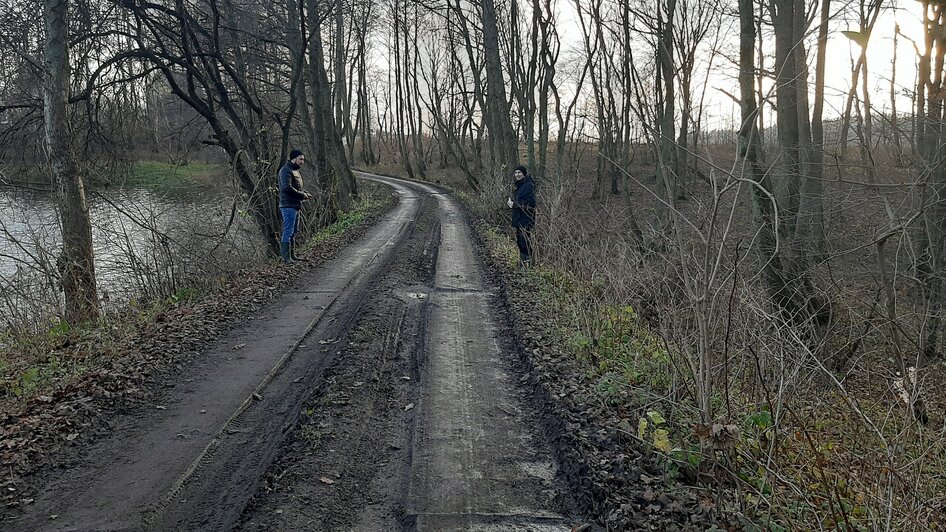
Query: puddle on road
(414, 292)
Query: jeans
(290, 223)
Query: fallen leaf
(409, 406)
(326, 480)
(72, 436)
(160, 407)
(239, 346)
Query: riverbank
(60, 390)
(142, 173)
(149, 242)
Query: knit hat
(523, 169)
(294, 153)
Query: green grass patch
(164, 175)
(361, 211)
(616, 349)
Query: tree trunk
(811, 142)
(931, 85)
(334, 174)
(500, 125)
(667, 174)
(790, 284)
(76, 263)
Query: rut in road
(431, 433)
(476, 463)
(347, 463)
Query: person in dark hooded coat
(522, 203)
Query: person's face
(299, 161)
(519, 175)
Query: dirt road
(377, 394)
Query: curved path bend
(195, 463)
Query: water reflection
(145, 241)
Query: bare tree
(931, 167)
(76, 264)
(503, 142)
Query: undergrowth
(822, 460)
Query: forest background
(741, 227)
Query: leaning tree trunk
(76, 264)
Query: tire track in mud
(479, 461)
(454, 445)
(347, 463)
(215, 490)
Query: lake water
(147, 243)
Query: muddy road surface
(378, 393)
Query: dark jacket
(523, 209)
(290, 187)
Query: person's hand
(307, 196)
(509, 202)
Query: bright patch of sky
(722, 112)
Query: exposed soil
(349, 464)
(345, 466)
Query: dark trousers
(524, 241)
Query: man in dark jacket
(522, 204)
(291, 196)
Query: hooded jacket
(523, 209)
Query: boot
(525, 261)
(284, 252)
(292, 251)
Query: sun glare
(843, 51)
